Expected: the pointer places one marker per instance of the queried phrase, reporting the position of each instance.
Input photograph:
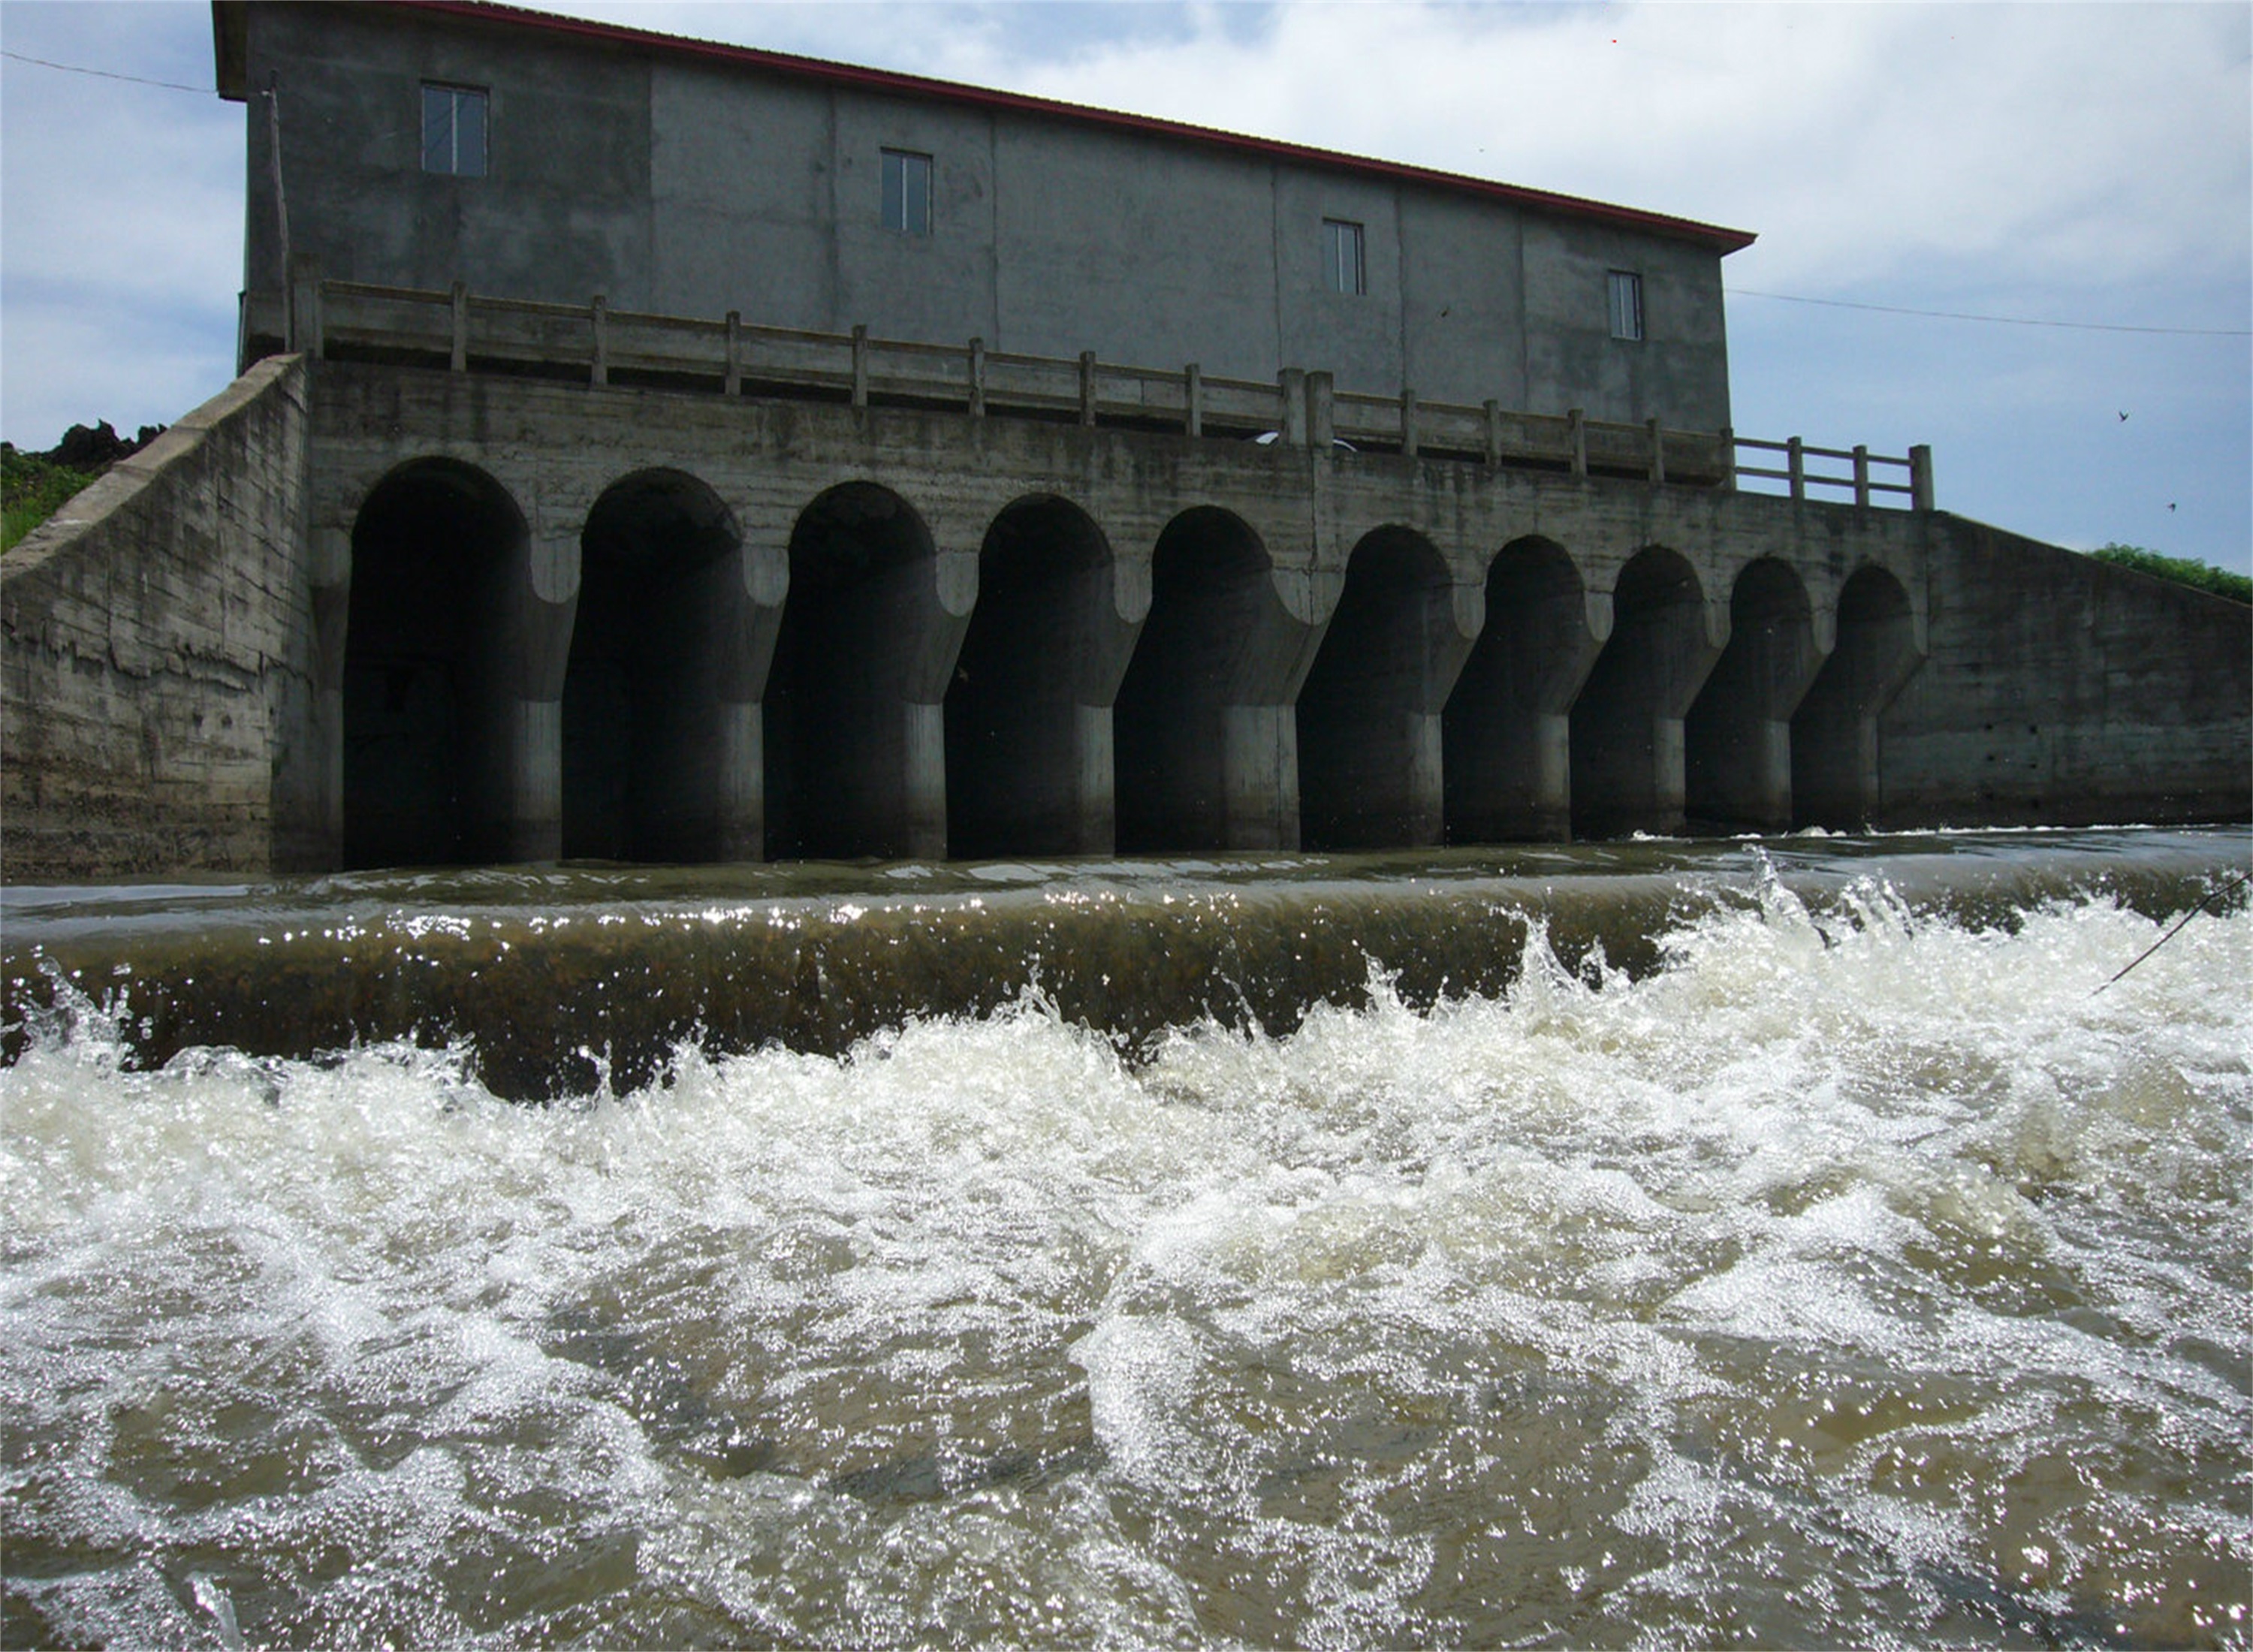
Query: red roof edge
(1721, 240)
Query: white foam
(1788, 1253)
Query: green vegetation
(2181, 569)
(32, 487)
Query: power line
(110, 74)
(2003, 320)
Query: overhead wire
(2003, 321)
(109, 74)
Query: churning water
(1854, 1273)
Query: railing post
(1919, 478)
(860, 365)
(460, 359)
(1657, 452)
(1321, 411)
(1291, 390)
(1728, 459)
(732, 381)
(977, 378)
(1795, 464)
(304, 302)
(1087, 388)
(1193, 400)
(1408, 432)
(602, 314)
(1576, 426)
(1493, 434)
(1861, 476)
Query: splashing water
(1856, 1278)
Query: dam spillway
(1803, 1242)
(557, 980)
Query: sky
(2080, 176)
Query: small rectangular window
(907, 191)
(1344, 270)
(1626, 304)
(454, 131)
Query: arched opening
(1506, 732)
(425, 755)
(845, 776)
(1738, 735)
(1837, 774)
(644, 751)
(1369, 715)
(1627, 723)
(1209, 591)
(1029, 711)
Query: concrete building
(541, 157)
(645, 459)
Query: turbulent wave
(1851, 1276)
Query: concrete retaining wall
(154, 640)
(2063, 691)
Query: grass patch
(2204, 576)
(32, 488)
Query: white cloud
(1861, 142)
(2090, 163)
(2101, 143)
(122, 203)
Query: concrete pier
(1507, 729)
(1627, 725)
(1737, 738)
(1370, 749)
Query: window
(1342, 269)
(907, 191)
(454, 131)
(1626, 304)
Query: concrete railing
(1914, 467)
(468, 331)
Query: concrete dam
(372, 608)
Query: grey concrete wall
(1571, 358)
(157, 709)
(680, 185)
(2061, 690)
(196, 668)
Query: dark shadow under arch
(1016, 742)
(1209, 587)
(433, 547)
(1504, 735)
(1837, 760)
(1627, 723)
(836, 732)
(1737, 736)
(1368, 735)
(642, 748)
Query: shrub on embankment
(2204, 576)
(33, 486)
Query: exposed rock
(85, 447)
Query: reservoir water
(1637, 1245)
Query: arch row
(660, 685)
